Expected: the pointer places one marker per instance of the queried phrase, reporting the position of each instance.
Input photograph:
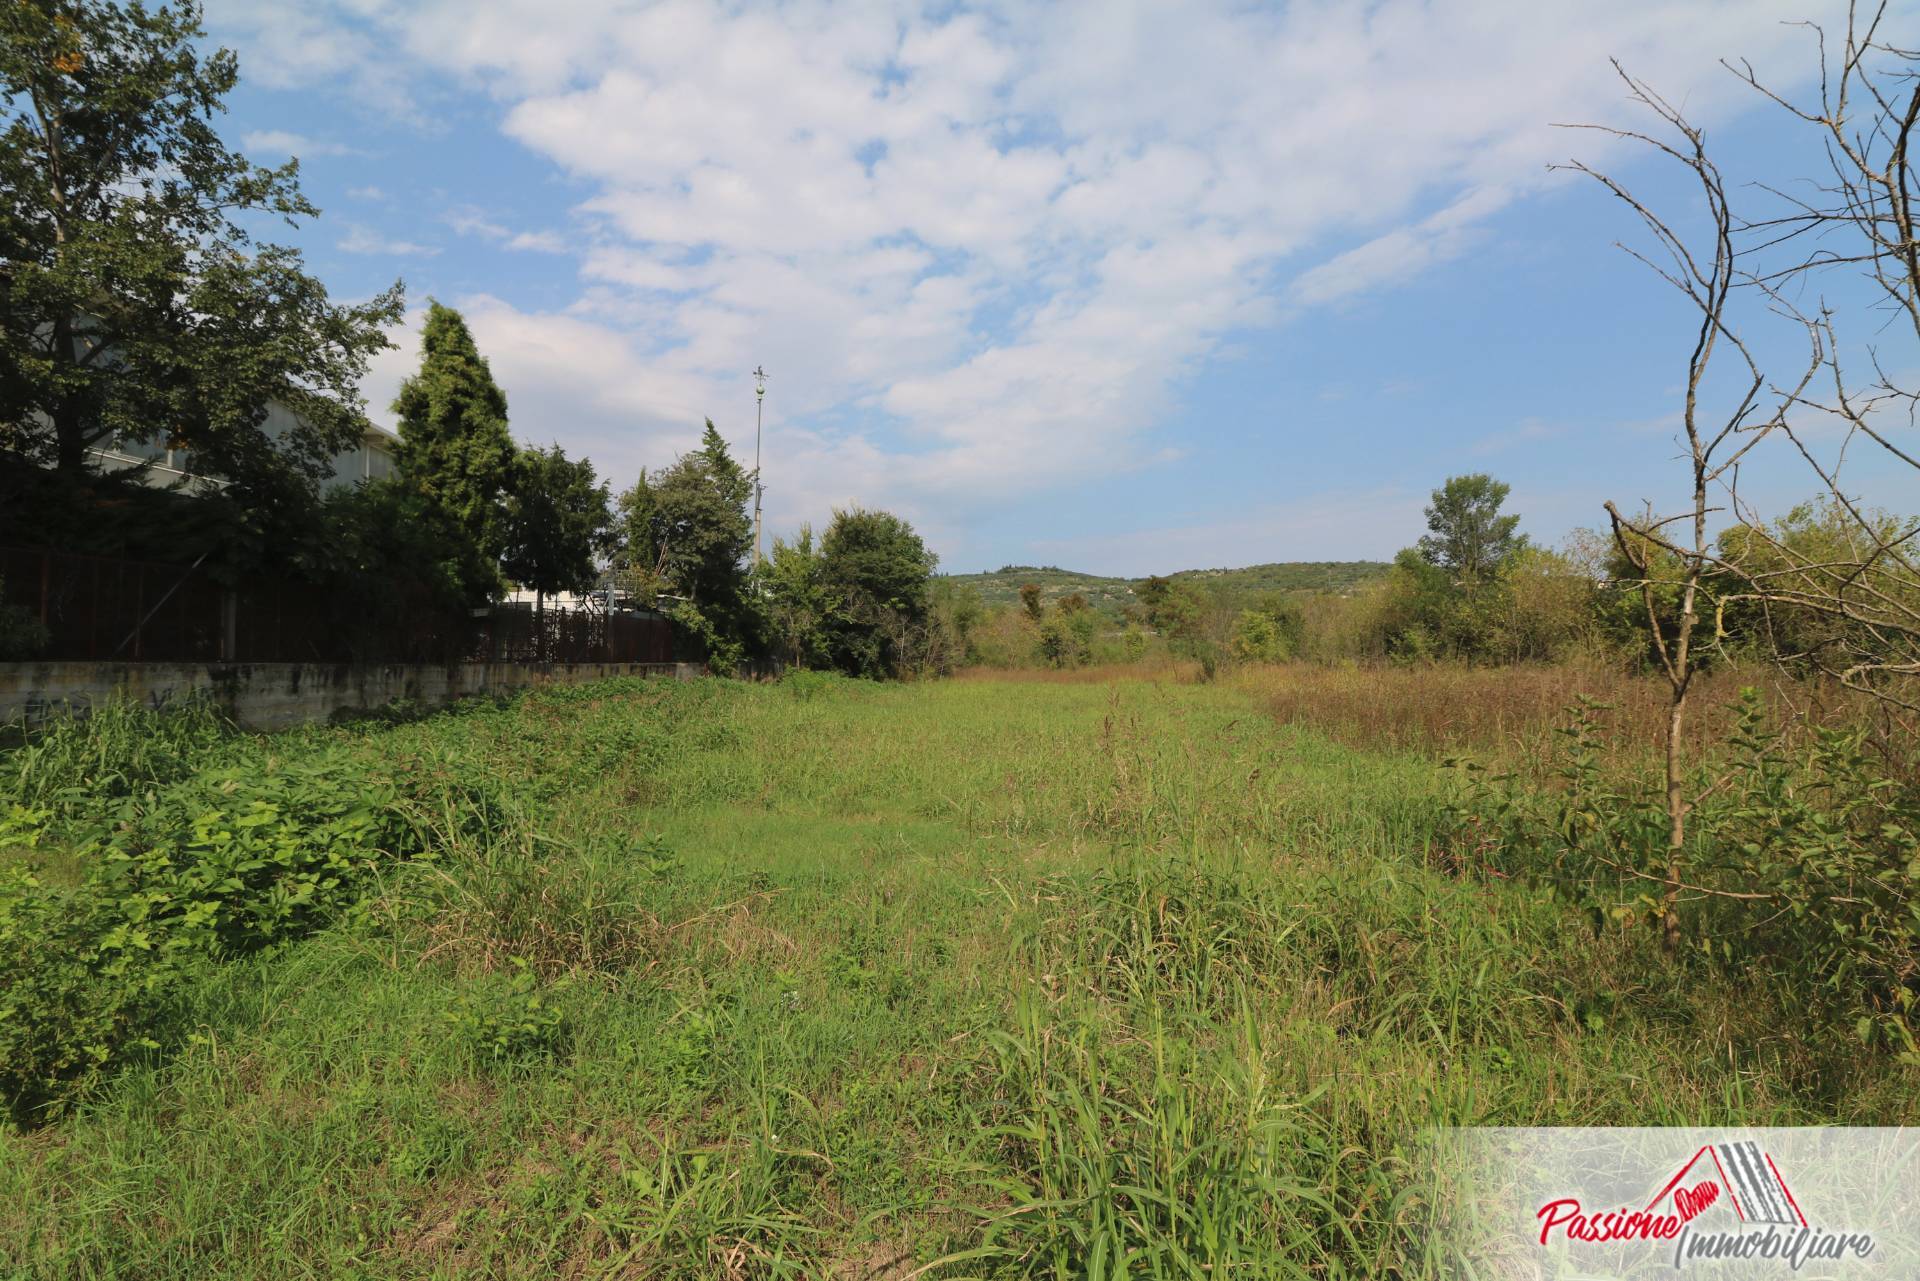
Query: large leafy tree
(557, 522)
(686, 528)
(455, 449)
(384, 552)
(684, 533)
(1467, 536)
(134, 301)
(880, 569)
(800, 606)
(1191, 622)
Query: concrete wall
(270, 696)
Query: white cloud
(292, 44)
(538, 242)
(1401, 254)
(366, 193)
(472, 222)
(1528, 431)
(979, 249)
(362, 239)
(469, 221)
(278, 142)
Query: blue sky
(1127, 288)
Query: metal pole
(759, 401)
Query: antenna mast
(759, 400)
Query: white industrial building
(373, 459)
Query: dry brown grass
(1502, 713)
(1504, 710)
(1176, 673)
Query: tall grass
(84, 758)
(962, 979)
(1164, 669)
(1509, 711)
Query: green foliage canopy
(685, 530)
(800, 605)
(1467, 536)
(879, 568)
(134, 303)
(684, 533)
(557, 522)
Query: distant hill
(1292, 576)
(1002, 586)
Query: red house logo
(1752, 1182)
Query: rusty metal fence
(103, 608)
(523, 634)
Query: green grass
(836, 979)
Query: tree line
(138, 306)
(679, 539)
(1473, 589)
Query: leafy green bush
(82, 983)
(1256, 638)
(251, 854)
(1801, 866)
(510, 1019)
(242, 856)
(1066, 638)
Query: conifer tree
(685, 532)
(455, 450)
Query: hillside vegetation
(1001, 587)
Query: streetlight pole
(759, 401)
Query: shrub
(1066, 638)
(510, 1019)
(1804, 851)
(251, 854)
(83, 981)
(237, 858)
(1256, 638)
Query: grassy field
(829, 979)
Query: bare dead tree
(1864, 578)
(1842, 595)
(1716, 438)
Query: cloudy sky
(1123, 287)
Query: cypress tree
(455, 450)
